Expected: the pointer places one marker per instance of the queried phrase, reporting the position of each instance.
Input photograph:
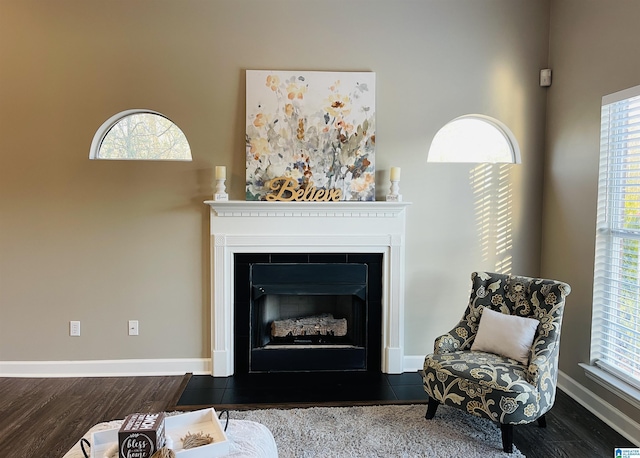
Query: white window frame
(455, 155)
(615, 346)
(103, 130)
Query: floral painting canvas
(317, 128)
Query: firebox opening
(308, 316)
(308, 320)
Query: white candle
(221, 172)
(395, 174)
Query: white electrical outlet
(133, 327)
(74, 328)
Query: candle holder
(394, 192)
(221, 191)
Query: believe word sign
(286, 189)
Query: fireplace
(315, 232)
(307, 315)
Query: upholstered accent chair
(504, 368)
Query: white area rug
(379, 431)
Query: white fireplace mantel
(329, 209)
(306, 227)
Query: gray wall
(105, 242)
(594, 48)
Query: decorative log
(319, 325)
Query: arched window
(474, 138)
(140, 135)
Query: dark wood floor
(45, 417)
(67, 407)
(572, 431)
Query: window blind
(615, 339)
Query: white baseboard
(412, 363)
(613, 417)
(105, 368)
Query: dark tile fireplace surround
(269, 288)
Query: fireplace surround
(242, 227)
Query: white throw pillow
(505, 335)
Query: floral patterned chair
(476, 376)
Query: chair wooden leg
(431, 408)
(542, 421)
(507, 438)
